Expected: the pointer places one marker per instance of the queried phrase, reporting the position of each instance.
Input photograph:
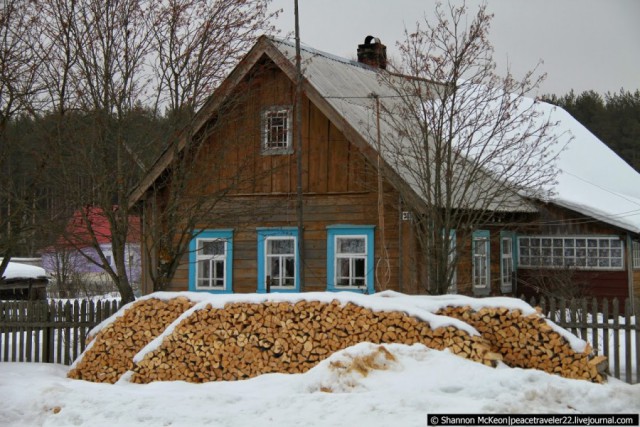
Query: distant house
(75, 253)
(589, 230)
(23, 281)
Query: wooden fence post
(47, 336)
(616, 338)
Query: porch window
(350, 264)
(278, 268)
(635, 245)
(210, 256)
(277, 130)
(585, 253)
(481, 272)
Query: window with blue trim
(507, 261)
(481, 273)
(350, 258)
(278, 267)
(210, 261)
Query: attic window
(276, 130)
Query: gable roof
(592, 179)
(79, 233)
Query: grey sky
(584, 44)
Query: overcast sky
(584, 44)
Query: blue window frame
(481, 264)
(350, 258)
(278, 260)
(211, 261)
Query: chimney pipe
(373, 54)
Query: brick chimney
(373, 54)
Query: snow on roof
(17, 270)
(592, 180)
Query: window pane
(343, 267)
(481, 247)
(205, 269)
(219, 266)
(212, 247)
(557, 243)
(569, 243)
(274, 267)
(351, 245)
(280, 246)
(359, 267)
(506, 246)
(342, 272)
(616, 243)
(546, 243)
(289, 267)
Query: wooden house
(353, 230)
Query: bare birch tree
(469, 141)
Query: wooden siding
(339, 187)
(600, 284)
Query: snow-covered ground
(421, 381)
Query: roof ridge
(327, 55)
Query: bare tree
(109, 67)
(470, 142)
(19, 197)
(196, 42)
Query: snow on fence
(611, 328)
(55, 332)
(49, 332)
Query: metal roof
(349, 88)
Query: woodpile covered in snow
(110, 352)
(530, 342)
(246, 340)
(174, 339)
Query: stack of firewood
(112, 349)
(530, 342)
(245, 340)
